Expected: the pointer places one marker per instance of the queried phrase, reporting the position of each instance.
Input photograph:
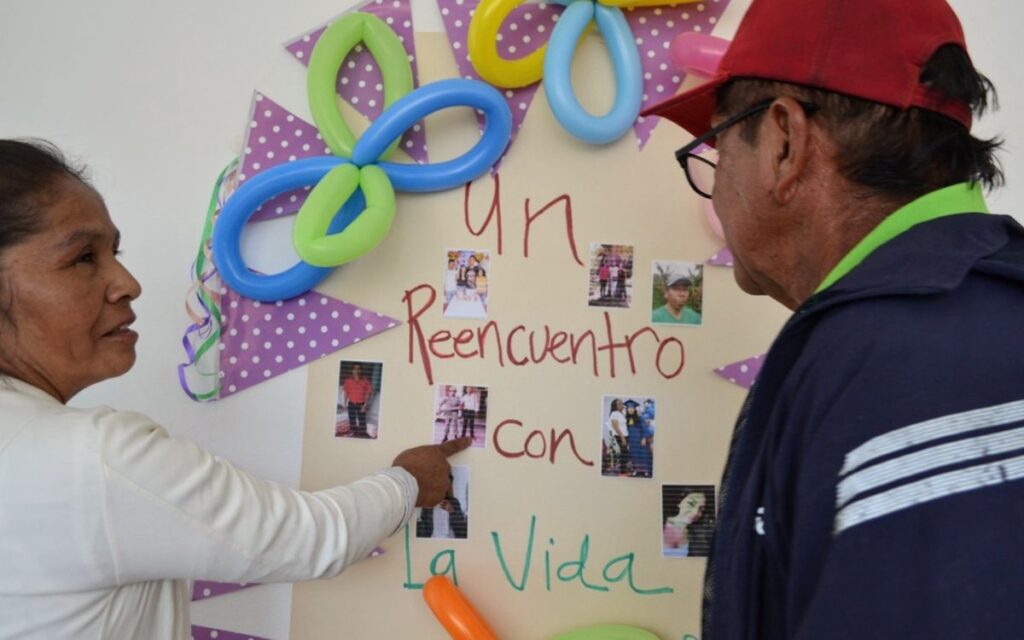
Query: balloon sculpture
(553, 62)
(352, 203)
(463, 622)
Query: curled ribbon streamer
(199, 295)
(195, 355)
(334, 44)
(625, 59)
(207, 323)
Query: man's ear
(785, 139)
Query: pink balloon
(697, 53)
(712, 218)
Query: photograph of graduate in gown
(687, 520)
(465, 284)
(627, 436)
(450, 519)
(611, 275)
(358, 405)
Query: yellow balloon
(483, 48)
(607, 632)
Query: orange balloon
(455, 613)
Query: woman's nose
(123, 284)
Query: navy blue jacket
(875, 484)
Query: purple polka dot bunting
(203, 589)
(743, 372)
(654, 28)
(207, 633)
(525, 30)
(359, 79)
(722, 258)
(260, 340)
(275, 136)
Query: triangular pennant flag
(208, 633)
(275, 136)
(359, 80)
(203, 589)
(525, 30)
(722, 258)
(743, 372)
(654, 28)
(260, 340)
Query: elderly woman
(103, 517)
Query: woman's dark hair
(672, 495)
(30, 173)
(900, 153)
(699, 532)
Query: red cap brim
(691, 110)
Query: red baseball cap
(870, 49)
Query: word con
(520, 346)
(618, 571)
(536, 444)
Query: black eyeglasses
(700, 172)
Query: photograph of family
(627, 442)
(465, 284)
(611, 275)
(459, 411)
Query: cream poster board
(559, 533)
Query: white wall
(154, 96)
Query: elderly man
(875, 483)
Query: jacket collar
(930, 257)
(959, 198)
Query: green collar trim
(965, 197)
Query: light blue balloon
(422, 102)
(625, 59)
(240, 207)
